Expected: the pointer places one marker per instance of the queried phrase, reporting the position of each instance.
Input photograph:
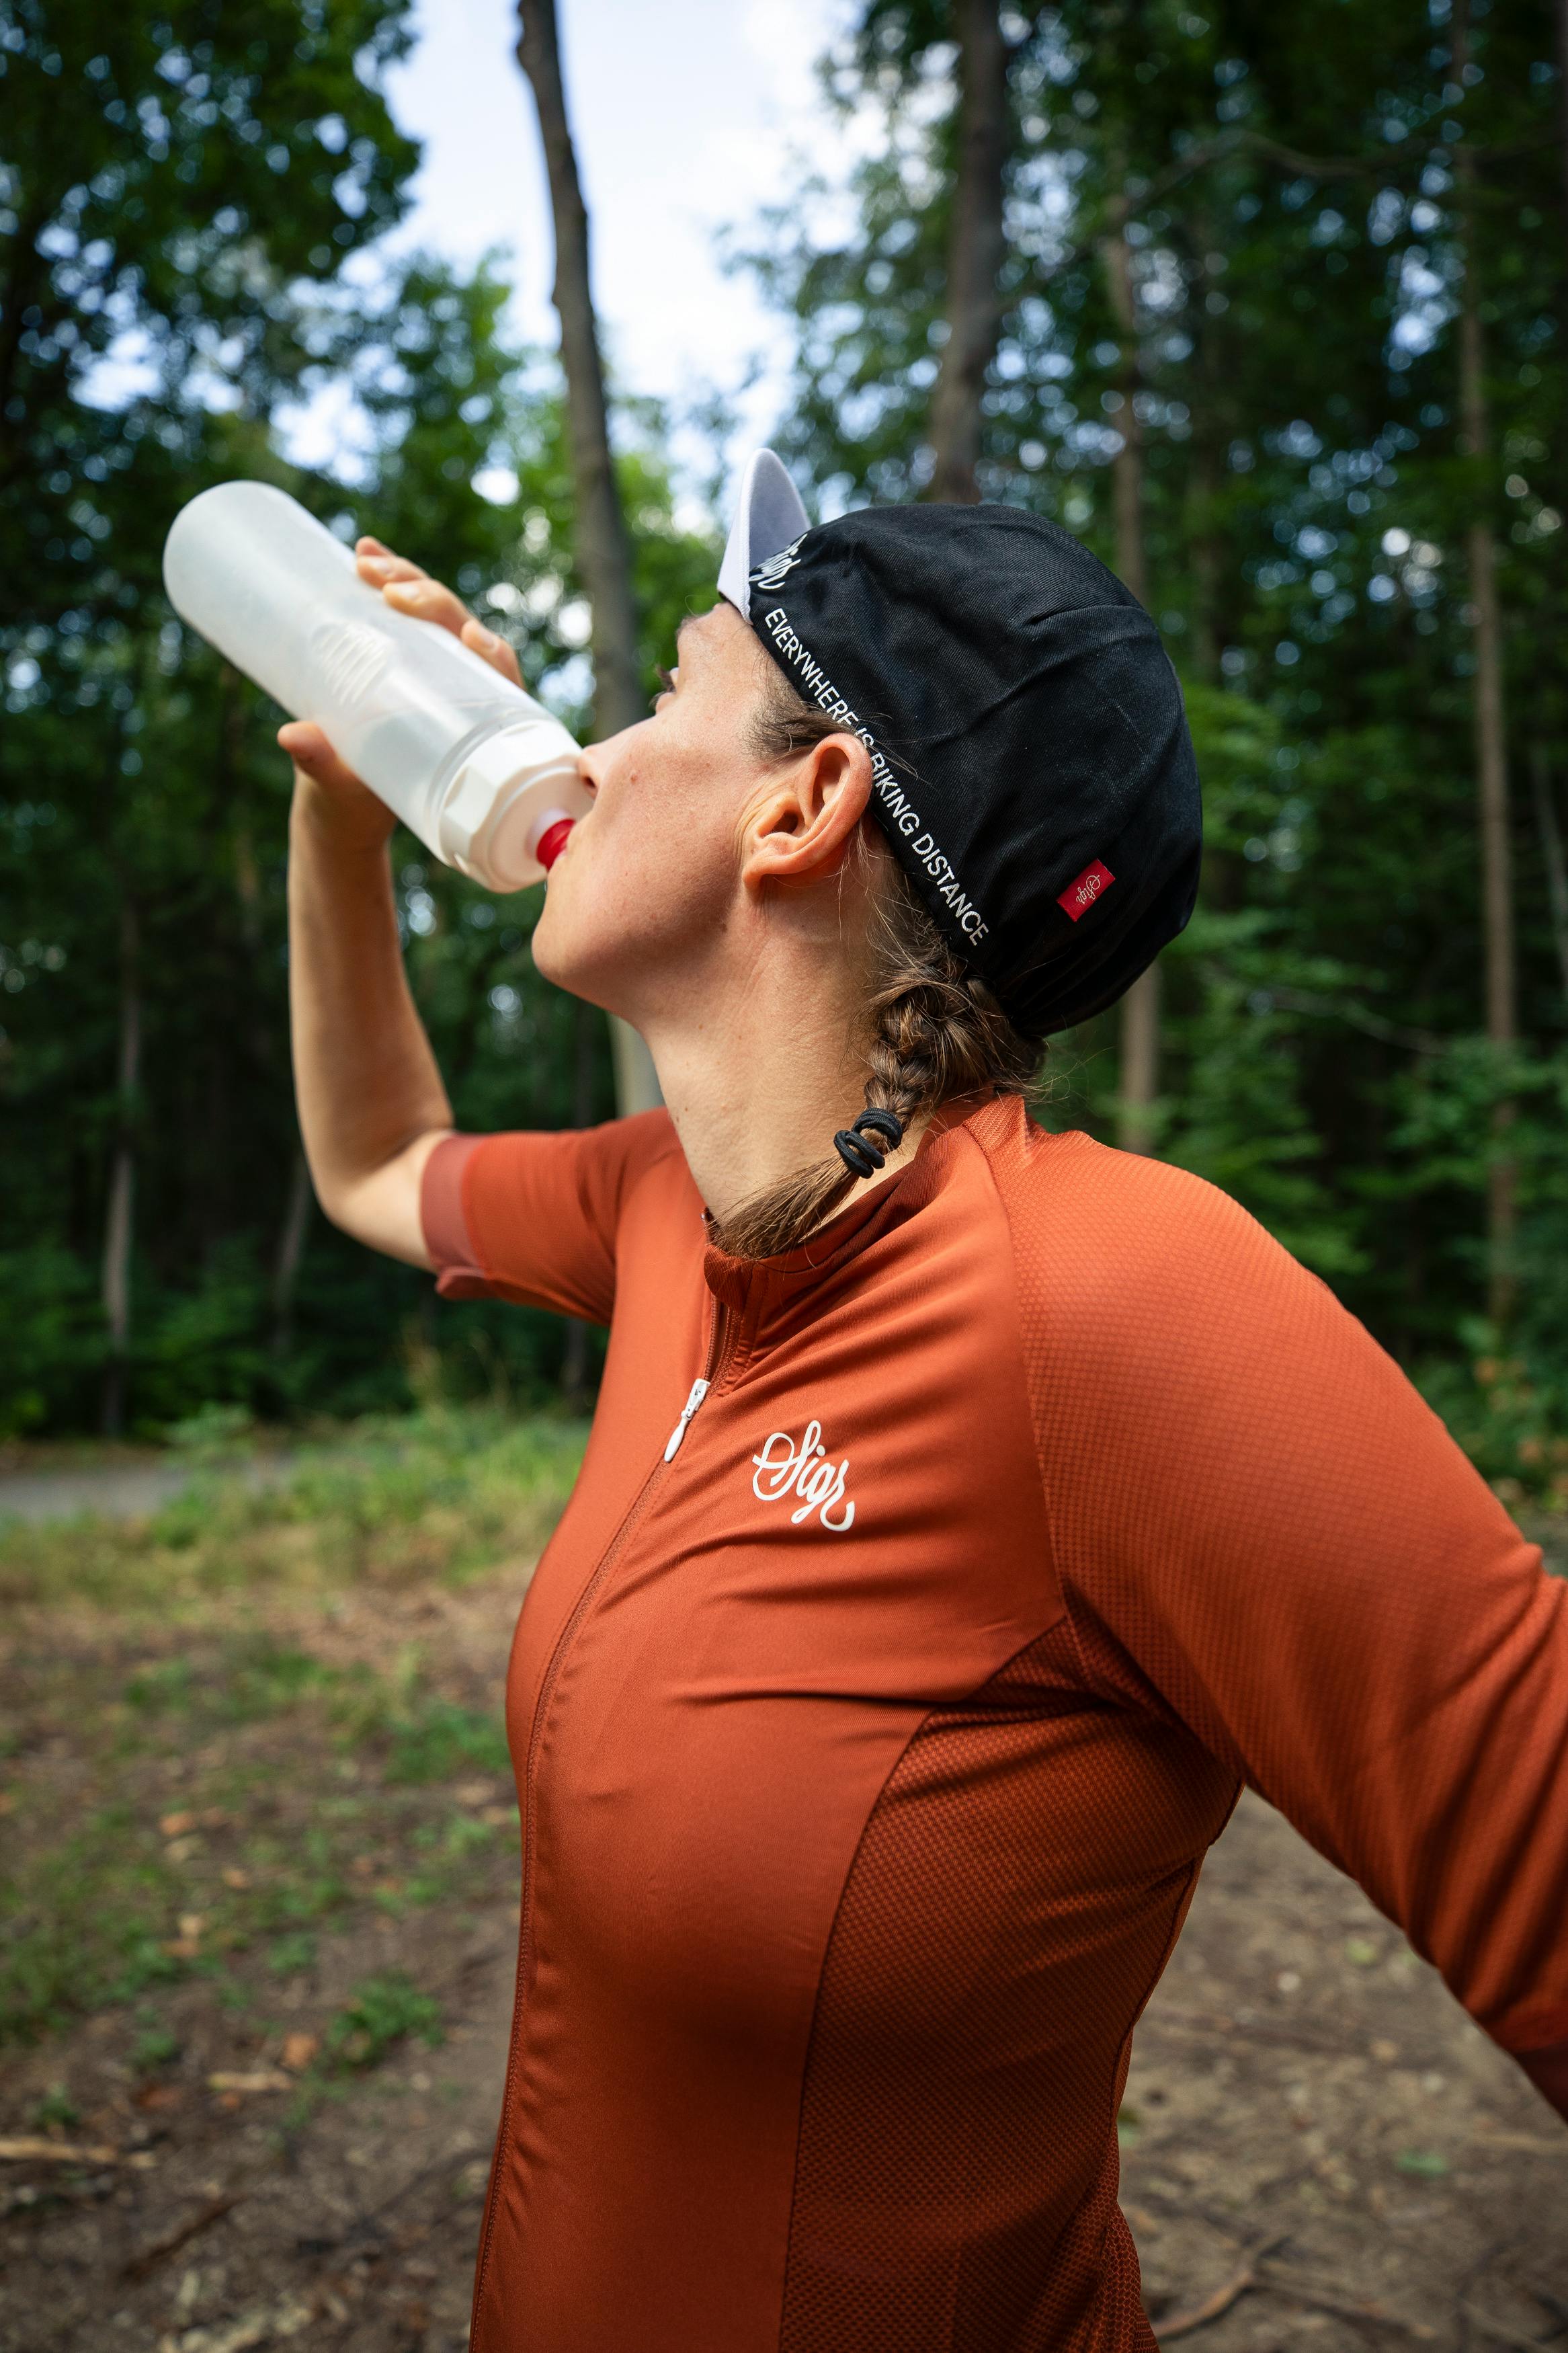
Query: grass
(207, 1780)
(439, 1495)
(382, 2011)
(322, 1793)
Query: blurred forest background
(1266, 303)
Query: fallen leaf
(7, 1801)
(474, 1793)
(1424, 2162)
(496, 1815)
(159, 2095)
(1362, 1952)
(177, 1825)
(30, 2151)
(191, 1925)
(299, 2050)
(184, 1948)
(261, 2079)
(1385, 2054)
(237, 1879)
(213, 1817)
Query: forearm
(371, 1101)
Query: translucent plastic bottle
(478, 770)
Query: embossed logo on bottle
(351, 657)
(785, 1472)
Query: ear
(800, 824)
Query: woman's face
(642, 897)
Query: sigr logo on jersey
(1081, 895)
(785, 1472)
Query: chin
(570, 963)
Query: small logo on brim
(1081, 895)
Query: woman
(969, 1511)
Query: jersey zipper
(698, 1391)
(718, 1355)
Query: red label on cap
(1079, 896)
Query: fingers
(410, 590)
(407, 588)
(378, 565)
(426, 600)
(493, 649)
(311, 752)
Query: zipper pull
(698, 1391)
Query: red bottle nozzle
(552, 841)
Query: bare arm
(371, 1105)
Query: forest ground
(262, 1842)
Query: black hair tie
(859, 1152)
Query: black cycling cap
(1034, 771)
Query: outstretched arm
(371, 1105)
(1262, 1529)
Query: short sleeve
(1258, 1516)
(535, 1218)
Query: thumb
(310, 751)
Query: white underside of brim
(768, 516)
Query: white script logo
(783, 1469)
(772, 573)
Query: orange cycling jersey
(926, 1596)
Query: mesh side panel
(956, 2177)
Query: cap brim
(769, 517)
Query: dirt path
(280, 2129)
(1288, 2091)
(1303, 2084)
(123, 1491)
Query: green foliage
(441, 1739)
(384, 2010)
(178, 198)
(153, 2048)
(179, 195)
(87, 1925)
(1298, 235)
(443, 1494)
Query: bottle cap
(489, 824)
(552, 839)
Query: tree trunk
(1492, 755)
(1141, 1005)
(1207, 562)
(119, 1223)
(602, 545)
(291, 1250)
(1551, 853)
(975, 252)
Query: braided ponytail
(937, 1031)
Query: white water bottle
(478, 770)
